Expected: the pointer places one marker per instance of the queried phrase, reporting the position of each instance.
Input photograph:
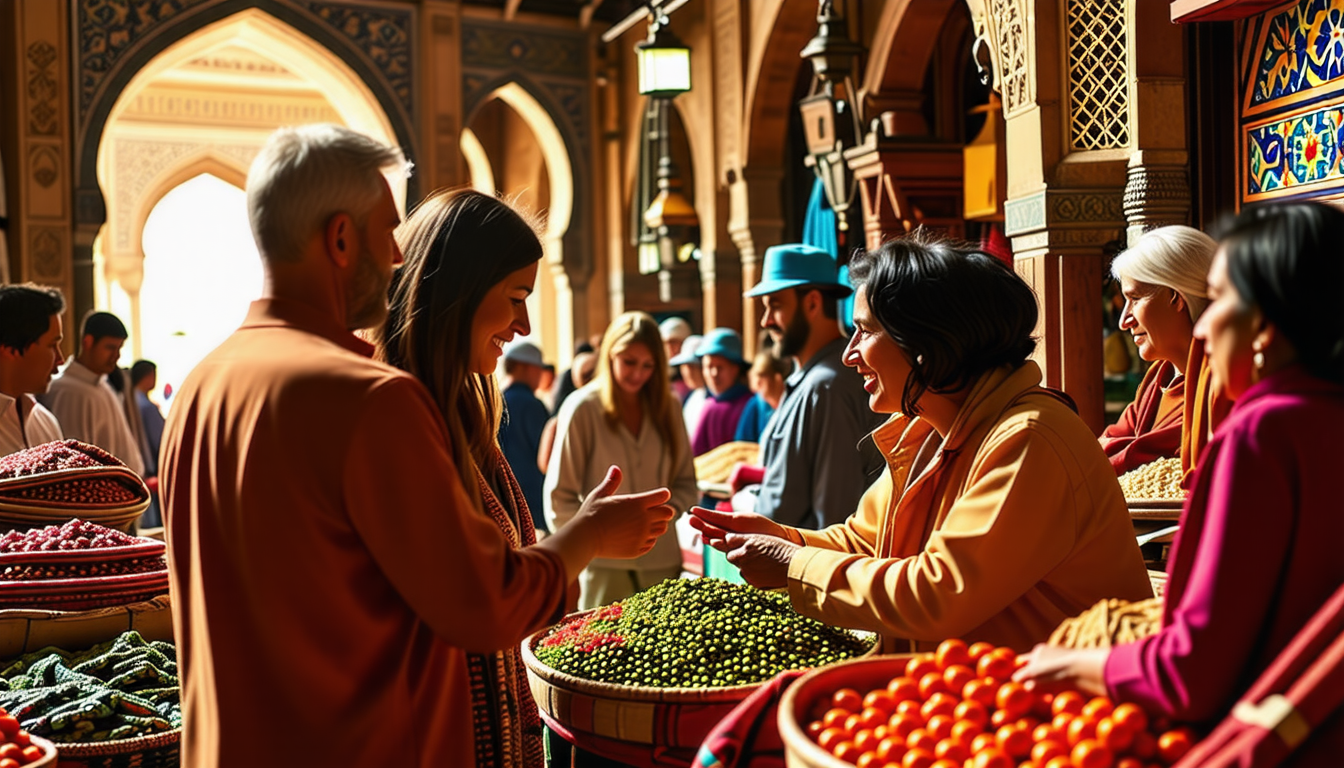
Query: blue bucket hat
(723, 342)
(793, 266)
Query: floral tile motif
(1303, 48)
(1287, 154)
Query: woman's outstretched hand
(757, 545)
(713, 525)
(1051, 668)
(628, 525)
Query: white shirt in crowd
(586, 445)
(89, 410)
(39, 425)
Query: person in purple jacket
(1259, 547)
(725, 370)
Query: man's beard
(366, 294)
(794, 338)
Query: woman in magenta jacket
(1259, 548)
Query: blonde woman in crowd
(628, 417)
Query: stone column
(755, 223)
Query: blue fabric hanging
(819, 231)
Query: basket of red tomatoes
(959, 708)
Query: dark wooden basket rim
(114, 471)
(569, 682)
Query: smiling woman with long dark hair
(999, 515)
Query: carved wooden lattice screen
(1098, 75)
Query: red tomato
(921, 739)
(900, 726)
(996, 665)
(853, 724)
(952, 652)
(979, 649)
(918, 758)
(938, 704)
(1090, 754)
(871, 717)
(946, 764)
(1081, 729)
(1047, 732)
(21, 738)
(1099, 707)
(1000, 718)
(932, 683)
(830, 737)
(973, 711)
(1129, 762)
(11, 751)
(891, 749)
(940, 726)
(981, 690)
(870, 760)
(957, 676)
(848, 699)
(921, 665)
(866, 741)
(1061, 722)
(1014, 742)
(991, 758)
(31, 753)
(835, 718)
(1044, 751)
(903, 689)
(966, 730)
(9, 724)
(882, 731)
(1059, 762)
(1070, 702)
(1172, 745)
(1040, 705)
(846, 751)
(814, 729)
(880, 699)
(1130, 716)
(1014, 699)
(953, 749)
(911, 708)
(983, 742)
(1112, 736)
(9, 762)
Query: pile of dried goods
(699, 633)
(117, 690)
(1110, 622)
(1157, 480)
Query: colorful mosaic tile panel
(1293, 152)
(1303, 49)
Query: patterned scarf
(504, 716)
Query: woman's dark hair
(458, 244)
(955, 312)
(1285, 258)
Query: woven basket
(677, 718)
(159, 750)
(715, 465)
(20, 512)
(24, 630)
(811, 692)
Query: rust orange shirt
(329, 571)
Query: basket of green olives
(663, 667)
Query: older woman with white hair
(1163, 278)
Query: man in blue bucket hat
(817, 459)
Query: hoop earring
(1259, 357)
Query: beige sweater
(586, 445)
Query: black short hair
(830, 299)
(142, 369)
(25, 313)
(1284, 258)
(101, 325)
(955, 312)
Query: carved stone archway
(374, 45)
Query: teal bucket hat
(793, 266)
(723, 342)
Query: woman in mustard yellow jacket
(999, 515)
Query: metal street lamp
(831, 119)
(664, 61)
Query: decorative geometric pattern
(1098, 74)
(1287, 154)
(492, 46)
(383, 34)
(1303, 49)
(1010, 38)
(108, 29)
(42, 90)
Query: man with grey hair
(329, 568)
